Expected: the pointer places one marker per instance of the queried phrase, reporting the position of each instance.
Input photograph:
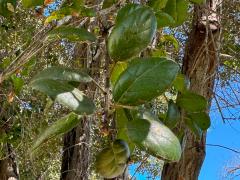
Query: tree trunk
(8, 166)
(200, 65)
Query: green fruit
(111, 161)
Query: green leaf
(178, 10)
(192, 102)
(157, 4)
(144, 79)
(59, 127)
(132, 34)
(32, 3)
(117, 70)
(121, 125)
(108, 3)
(181, 83)
(170, 39)
(111, 161)
(173, 115)
(70, 33)
(17, 83)
(193, 127)
(154, 137)
(164, 19)
(65, 94)
(201, 119)
(7, 7)
(63, 74)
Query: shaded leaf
(121, 125)
(59, 127)
(178, 10)
(154, 137)
(17, 83)
(192, 102)
(111, 161)
(157, 4)
(144, 79)
(132, 34)
(173, 115)
(70, 33)
(65, 94)
(164, 19)
(63, 74)
(201, 119)
(193, 127)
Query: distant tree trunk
(8, 166)
(200, 65)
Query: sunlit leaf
(132, 34)
(154, 137)
(65, 94)
(144, 79)
(63, 74)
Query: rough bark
(77, 143)
(199, 64)
(8, 166)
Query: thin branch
(224, 147)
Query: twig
(224, 147)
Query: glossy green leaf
(157, 4)
(117, 70)
(63, 74)
(173, 115)
(192, 102)
(65, 94)
(164, 19)
(7, 7)
(32, 3)
(70, 33)
(59, 127)
(144, 79)
(178, 10)
(201, 119)
(111, 161)
(181, 83)
(132, 34)
(154, 137)
(121, 126)
(193, 127)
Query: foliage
(135, 81)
